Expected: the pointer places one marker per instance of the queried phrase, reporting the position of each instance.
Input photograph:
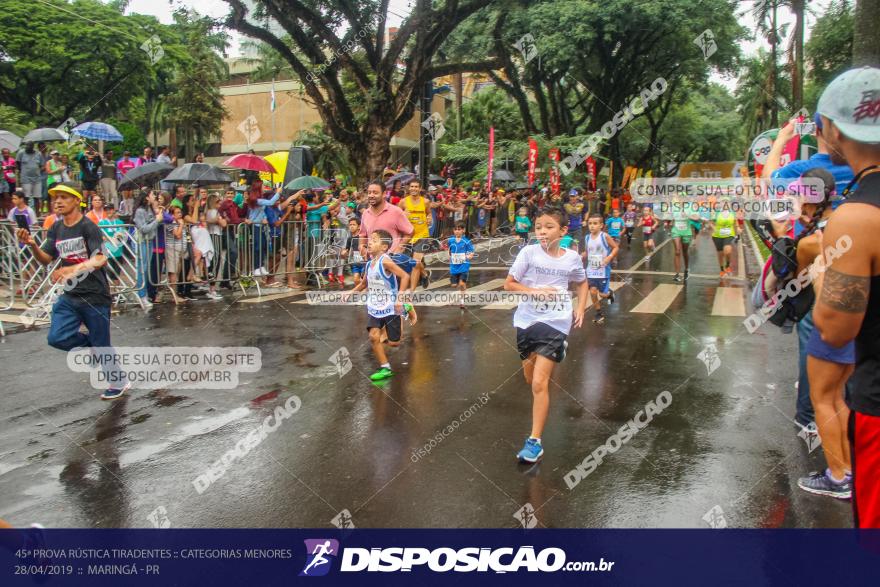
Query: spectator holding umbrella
(89, 165)
(108, 178)
(30, 165)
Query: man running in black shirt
(848, 306)
(76, 240)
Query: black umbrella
(44, 135)
(404, 177)
(198, 173)
(504, 175)
(146, 174)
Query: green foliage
(79, 58)
(14, 120)
(829, 50)
(134, 139)
(330, 159)
(754, 96)
(488, 107)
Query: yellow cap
(54, 191)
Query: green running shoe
(382, 373)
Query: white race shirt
(535, 268)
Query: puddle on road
(199, 426)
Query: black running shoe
(599, 319)
(685, 275)
(676, 278)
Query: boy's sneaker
(331, 278)
(676, 278)
(112, 393)
(213, 295)
(610, 297)
(382, 373)
(821, 484)
(425, 278)
(685, 275)
(531, 452)
(599, 319)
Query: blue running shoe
(531, 452)
(822, 484)
(112, 393)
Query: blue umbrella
(98, 131)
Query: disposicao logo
(320, 553)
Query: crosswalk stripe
(489, 285)
(270, 297)
(729, 301)
(614, 285)
(658, 300)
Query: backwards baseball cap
(852, 102)
(66, 189)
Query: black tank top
(865, 381)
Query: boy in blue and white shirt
(599, 250)
(461, 251)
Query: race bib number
(681, 225)
(458, 258)
(594, 266)
(458, 215)
(630, 223)
(356, 257)
(726, 232)
(552, 305)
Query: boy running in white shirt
(599, 250)
(384, 308)
(542, 327)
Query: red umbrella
(249, 162)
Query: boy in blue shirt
(461, 251)
(522, 224)
(614, 225)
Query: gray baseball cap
(852, 102)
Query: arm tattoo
(845, 293)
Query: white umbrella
(9, 140)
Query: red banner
(591, 173)
(491, 155)
(533, 159)
(553, 154)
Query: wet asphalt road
(726, 440)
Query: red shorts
(864, 437)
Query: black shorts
(89, 186)
(543, 340)
(456, 278)
(722, 241)
(391, 324)
(423, 246)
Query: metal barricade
(271, 252)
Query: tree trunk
(774, 40)
(797, 74)
(172, 141)
(866, 40)
(370, 160)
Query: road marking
(729, 301)
(614, 285)
(642, 261)
(659, 300)
(270, 297)
(489, 285)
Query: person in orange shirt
(51, 218)
(97, 213)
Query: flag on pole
(272, 97)
(555, 184)
(491, 155)
(591, 173)
(533, 160)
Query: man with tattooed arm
(848, 306)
